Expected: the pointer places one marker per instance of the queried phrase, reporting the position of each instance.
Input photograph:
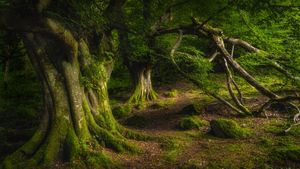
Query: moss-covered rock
(122, 111)
(226, 128)
(192, 109)
(191, 122)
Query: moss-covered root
(112, 139)
(141, 95)
(131, 134)
(77, 154)
(226, 128)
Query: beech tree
(72, 50)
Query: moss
(192, 109)
(172, 148)
(288, 152)
(130, 134)
(122, 111)
(162, 104)
(226, 128)
(92, 157)
(136, 121)
(277, 127)
(72, 145)
(195, 164)
(191, 122)
(171, 93)
(265, 141)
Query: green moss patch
(173, 148)
(287, 153)
(226, 128)
(122, 111)
(171, 93)
(278, 127)
(191, 122)
(162, 104)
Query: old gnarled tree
(73, 71)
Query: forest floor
(266, 147)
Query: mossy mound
(162, 104)
(191, 122)
(191, 109)
(287, 153)
(122, 111)
(171, 93)
(136, 121)
(226, 128)
(279, 127)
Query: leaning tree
(72, 50)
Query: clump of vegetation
(287, 153)
(265, 141)
(278, 128)
(172, 148)
(162, 104)
(122, 111)
(226, 128)
(192, 109)
(136, 121)
(191, 122)
(171, 93)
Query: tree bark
(143, 90)
(75, 114)
(140, 72)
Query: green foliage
(191, 122)
(226, 128)
(20, 90)
(79, 14)
(122, 111)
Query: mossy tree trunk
(139, 69)
(143, 89)
(76, 116)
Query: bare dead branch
(172, 54)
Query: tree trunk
(76, 113)
(143, 90)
